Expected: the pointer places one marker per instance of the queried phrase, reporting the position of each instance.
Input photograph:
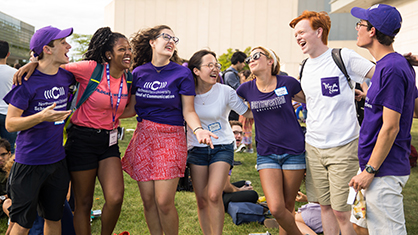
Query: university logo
(155, 85)
(330, 86)
(54, 93)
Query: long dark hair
(102, 41)
(196, 61)
(141, 49)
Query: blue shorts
(283, 162)
(204, 156)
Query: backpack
(94, 81)
(185, 182)
(225, 72)
(246, 212)
(336, 56)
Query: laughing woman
(162, 96)
(210, 167)
(89, 149)
(280, 143)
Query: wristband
(197, 128)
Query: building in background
(221, 24)
(18, 34)
(406, 40)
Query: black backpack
(185, 182)
(225, 72)
(336, 56)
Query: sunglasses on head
(255, 56)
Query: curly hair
(141, 49)
(317, 20)
(103, 40)
(8, 165)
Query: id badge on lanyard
(113, 135)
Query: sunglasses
(168, 37)
(255, 56)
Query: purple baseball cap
(383, 17)
(46, 34)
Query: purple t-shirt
(158, 95)
(392, 86)
(42, 143)
(276, 127)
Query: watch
(2, 198)
(371, 170)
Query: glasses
(359, 24)
(256, 56)
(211, 66)
(168, 37)
(237, 132)
(4, 154)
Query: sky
(85, 16)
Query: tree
(80, 45)
(225, 59)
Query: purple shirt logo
(155, 85)
(330, 86)
(54, 93)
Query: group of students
(164, 95)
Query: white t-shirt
(6, 80)
(213, 109)
(332, 119)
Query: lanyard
(111, 96)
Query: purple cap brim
(359, 13)
(64, 33)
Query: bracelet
(197, 128)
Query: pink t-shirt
(96, 111)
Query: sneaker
(241, 148)
(249, 151)
(271, 223)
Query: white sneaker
(241, 148)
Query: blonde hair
(270, 55)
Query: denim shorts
(283, 161)
(204, 156)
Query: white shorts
(384, 206)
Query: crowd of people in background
(186, 116)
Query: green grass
(132, 217)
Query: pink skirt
(156, 152)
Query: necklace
(203, 100)
(267, 86)
(162, 68)
(201, 96)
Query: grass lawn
(132, 217)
